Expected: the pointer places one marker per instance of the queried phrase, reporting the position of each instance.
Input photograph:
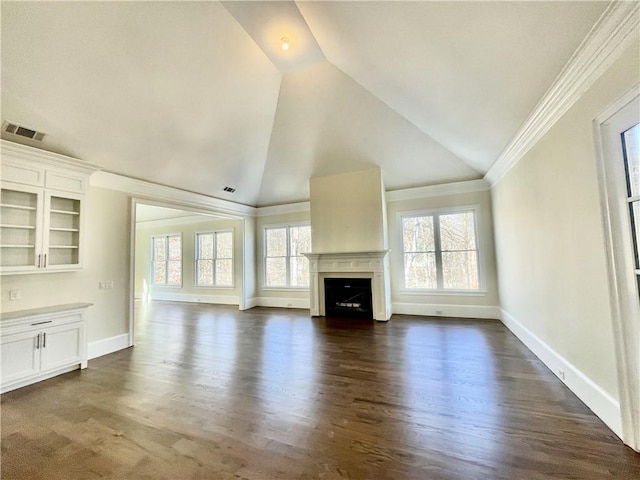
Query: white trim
(195, 298)
(151, 193)
(607, 40)
(445, 293)
(599, 401)
(44, 157)
(281, 302)
(456, 188)
(623, 293)
(250, 303)
(192, 219)
(108, 345)
(446, 310)
(283, 209)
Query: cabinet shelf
(56, 229)
(65, 212)
(21, 227)
(63, 246)
(17, 246)
(17, 207)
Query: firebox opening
(348, 297)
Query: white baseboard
(600, 402)
(282, 302)
(196, 298)
(107, 345)
(445, 310)
(250, 303)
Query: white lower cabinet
(41, 343)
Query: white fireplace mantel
(373, 265)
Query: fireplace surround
(372, 265)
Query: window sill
(457, 293)
(285, 289)
(210, 287)
(165, 286)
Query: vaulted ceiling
(199, 95)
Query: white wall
(478, 305)
(106, 259)
(347, 212)
(550, 246)
(188, 292)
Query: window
(440, 251)
(285, 266)
(166, 254)
(631, 150)
(214, 259)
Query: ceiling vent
(14, 129)
(229, 189)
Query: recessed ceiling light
(285, 43)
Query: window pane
(300, 238)
(205, 246)
(632, 154)
(276, 239)
(417, 234)
(635, 208)
(420, 270)
(224, 273)
(175, 247)
(224, 245)
(159, 273)
(457, 231)
(276, 272)
(299, 272)
(159, 248)
(205, 272)
(460, 270)
(174, 275)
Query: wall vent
(229, 189)
(15, 129)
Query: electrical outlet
(105, 285)
(15, 295)
(438, 312)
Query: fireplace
(372, 267)
(348, 297)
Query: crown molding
(283, 209)
(170, 195)
(616, 29)
(456, 188)
(193, 219)
(44, 157)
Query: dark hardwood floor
(209, 392)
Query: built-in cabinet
(42, 205)
(41, 343)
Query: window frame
(440, 290)
(196, 259)
(152, 263)
(288, 227)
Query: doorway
(617, 131)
